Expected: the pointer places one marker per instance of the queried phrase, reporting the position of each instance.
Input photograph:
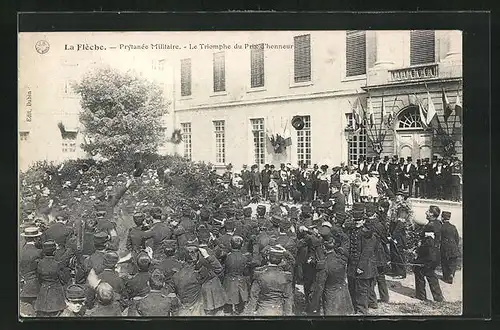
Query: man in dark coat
(382, 253)
(432, 216)
(394, 172)
(246, 176)
(427, 261)
(456, 180)
(104, 224)
(96, 260)
(155, 303)
(333, 283)
(383, 169)
(421, 179)
(265, 177)
(338, 198)
(450, 251)
(362, 166)
(271, 293)
(361, 266)
(59, 232)
(137, 285)
(106, 303)
(160, 230)
(110, 275)
(235, 283)
(137, 236)
(75, 301)
(255, 181)
(50, 300)
(28, 264)
(314, 178)
(408, 175)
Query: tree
(121, 113)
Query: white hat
(31, 232)
(326, 224)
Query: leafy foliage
(122, 113)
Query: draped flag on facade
(431, 110)
(371, 118)
(447, 110)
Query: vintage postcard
(240, 173)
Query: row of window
(422, 51)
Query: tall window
(69, 145)
(304, 142)
(257, 67)
(220, 142)
(186, 137)
(357, 142)
(219, 72)
(258, 140)
(355, 53)
(68, 87)
(186, 77)
(422, 47)
(302, 58)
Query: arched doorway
(411, 139)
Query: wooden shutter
(219, 72)
(186, 77)
(422, 47)
(257, 67)
(355, 53)
(302, 58)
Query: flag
(382, 110)
(446, 107)
(288, 141)
(431, 110)
(422, 112)
(458, 108)
(370, 112)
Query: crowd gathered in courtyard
(338, 234)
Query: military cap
(229, 224)
(75, 293)
(49, 247)
(143, 260)
(247, 211)
(446, 215)
(329, 243)
(435, 210)
(276, 220)
(371, 209)
(101, 213)
(169, 243)
(193, 243)
(139, 216)
(101, 237)
(261, 208)
(276, 251)
(110, 259)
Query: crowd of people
(239, 257)
(439, 179)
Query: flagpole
(392, 114)
(381, 119)
(444, 109)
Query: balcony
(414, 73)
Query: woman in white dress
(365, 188)
(373, 181)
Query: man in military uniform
(262, 218)
(137, 235)
(362, 166)
(450, 251)
(110, 275)
(425, 267)
(370, 164)
(432, 216)
(271, 293)
(170, 264)
(104, 224)
(421, 179)
(28, 263)
(361, 270)
(59, 232)
(75, 301)
(96, 260)
(383, 169)
(236, 271)
(155, 303)
(137, 285)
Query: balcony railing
(417, 72)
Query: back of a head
(156, 280)
(105, 293)
(236, 242)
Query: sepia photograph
(240, 173)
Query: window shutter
(355, 53)
(422, 47)
(186, 77)
(302, 58)
(257, 67)
(219, 72)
